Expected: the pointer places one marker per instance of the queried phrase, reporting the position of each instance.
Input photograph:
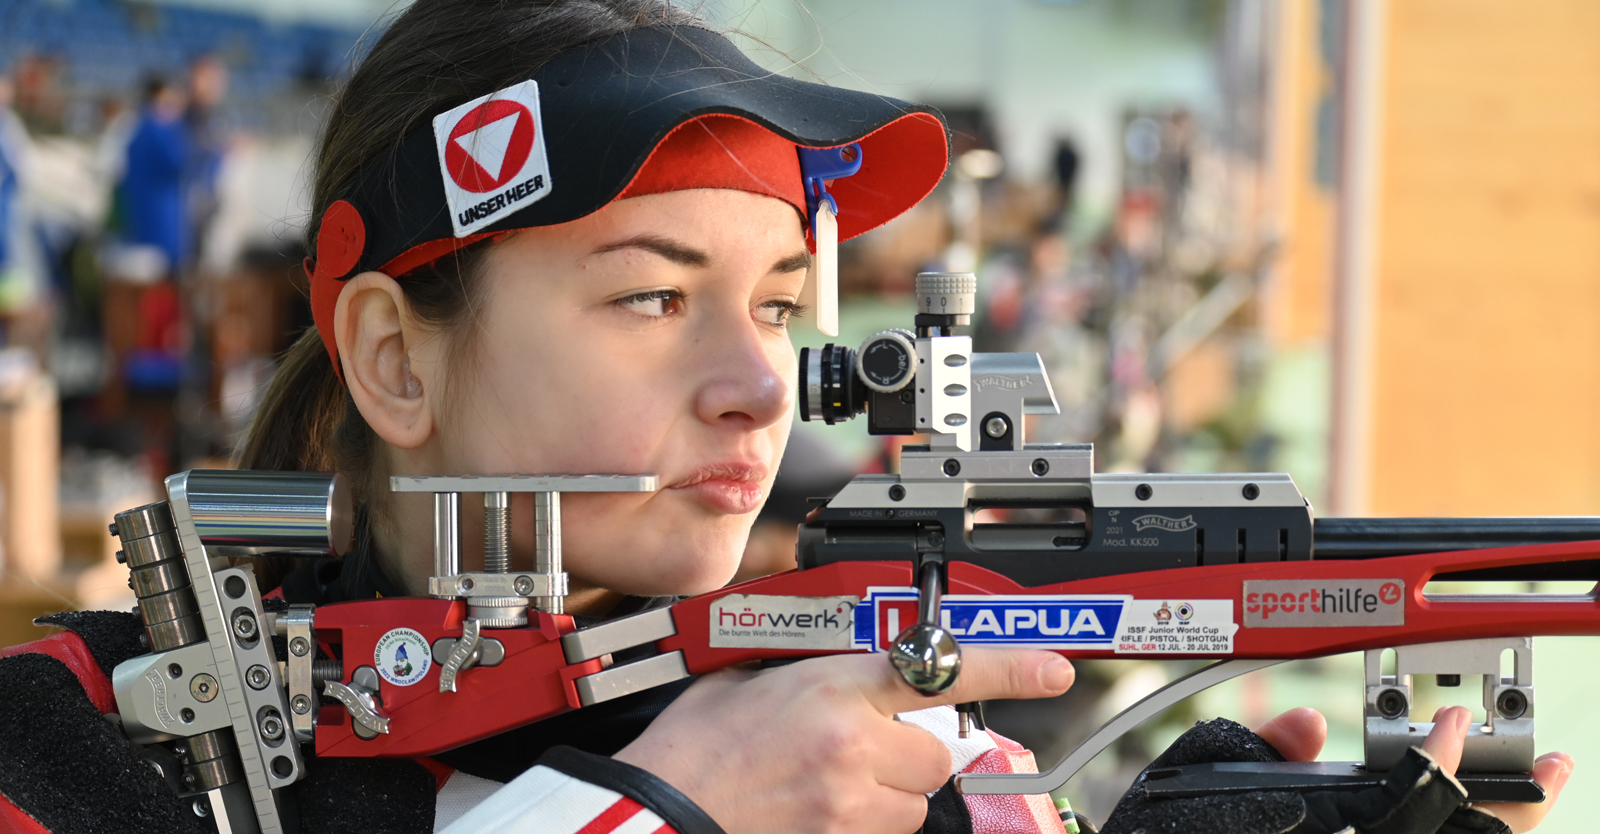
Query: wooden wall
(1486, 388)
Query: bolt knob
(947, 293)
(928, 657)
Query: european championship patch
(492, 154)
(402, 656)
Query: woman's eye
(653, 304)
(778, 312)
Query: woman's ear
(378, 349)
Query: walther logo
(1008, 382)
(773, 622)
(1175, 525)
(1327, 602)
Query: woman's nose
(744, 378)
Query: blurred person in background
(208, 145)
(151, 193)
(18, 269)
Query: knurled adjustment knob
(947, 293)
(887, 361)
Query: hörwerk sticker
(1312, 603)
(403, 657)
(492, 156)
(760, 621)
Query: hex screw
(271, 727)
(952, 467)
(1391, 703)
(301, 705)
(897, 493)
(465, 584)
(1511, 704)
(187, 715)
(258, 677)
(1143, 492)
(244, 625)
(936, 539)
(199, 806)
(1251, 492)
(203, 687)
(299, 646)
(996, 427)
(524, 585)
(1041, 467)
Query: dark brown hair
(435, 55)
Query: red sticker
(489, 145)
(340, 240)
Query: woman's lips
(732, 497)
(733, 488)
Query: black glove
(1417, 798)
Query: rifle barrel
(1370, 538)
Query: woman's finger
(1298, 734)
(1448, 737)
(911, 759)
(986, 674)
(1551, 770)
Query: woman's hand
(1299, 734)
(1551, 770)
(814, 747)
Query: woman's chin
(685, 577)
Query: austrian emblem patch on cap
(492, 155)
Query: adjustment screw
(301, 705)
(244, 625)
(952, 467)
(1143, 492)
(258, 677)
(188, 778)
(1041, 467)
(199, 806)
(1511, 704)
(187, 715)
(996, 427)
(524, 585)
(122, 558)
(271, 727)
(1251, 492)
(465, 584)
(897, 493)
(299, 646)
(203, 687)
(1392, 703)
(115, 531)
(936, 539)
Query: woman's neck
(402, 543)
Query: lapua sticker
(492, 155)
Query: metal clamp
(1502, 743)
(296, 624)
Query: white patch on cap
(492, 156)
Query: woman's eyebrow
(794, 263)
(675, 251)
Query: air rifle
(1230, 568)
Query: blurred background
(1358, 242)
